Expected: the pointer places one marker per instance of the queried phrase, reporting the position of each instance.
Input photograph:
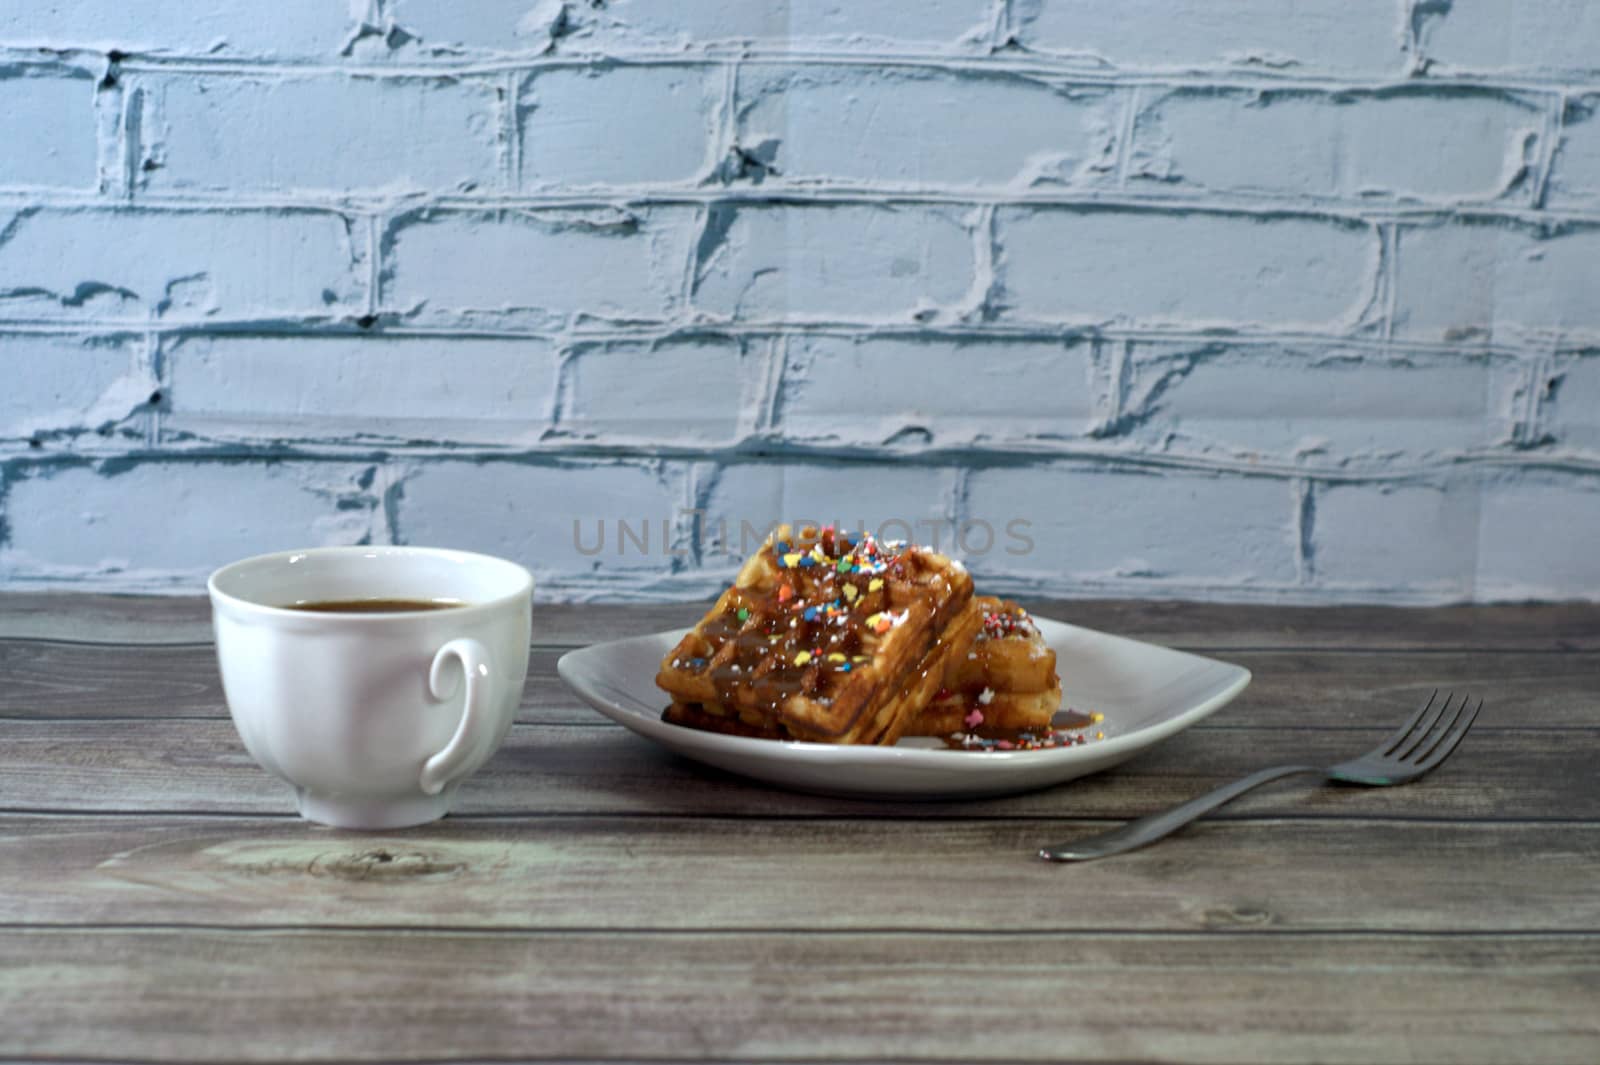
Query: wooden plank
(105, 618)
(1299, 689)
(1291, 689)
(1541, 627)
(246, 996)
(1217, 626)
(200, 767)
(52, 679)
(586, 873)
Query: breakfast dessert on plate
(836, 637)
(827, 636)
(1005, 683)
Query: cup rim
(219, 596)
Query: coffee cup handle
(472, 734)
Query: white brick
(545, 517)
(883, 25)
(1400, 144)
(898, 501)
(1547, 37)
(888, 24)
(70, 383)
(1159, 526)
(606, 263)
(526, 26)
(1396, 537)
(1319, 406)
(1460, 282)
(215, 28)
(47, 130)
(874, 390)
(1506, 535)
(1538, 538)
(1575, 168)
(343, 388)
(916, 127)
(178, 519)
(1346, 36)
(1574, 407)
(1181, 267)
(140, 264)
(318, 133)
(677, 392)
(479, 26)
(827, 262)
(619, 125)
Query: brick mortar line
(511, 129)
(1214, 203)
(322, 328)
(1551, 133)
(768, 451)
(1388, 274)
(1222, 204)
(1067, 70)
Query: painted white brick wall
(1230, 299)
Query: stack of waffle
(1005, 683)
(836, 637)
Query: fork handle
(1159, 825)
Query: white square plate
(1145, 691)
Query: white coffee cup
(373, 718)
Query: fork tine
(1420, 731)
(1398, 736)
(1451, 740)
(1437, 729)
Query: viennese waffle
(1006, 682)
(828, 636)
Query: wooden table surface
(596, 899)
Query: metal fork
(1417, 747)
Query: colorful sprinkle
(1000, 624)
(850, 593)
(874, 584)
(802, 658)
(810, 613)
(836, 657)
(792, 558)
(1025, 741)
(974, 719)
(785, 593)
